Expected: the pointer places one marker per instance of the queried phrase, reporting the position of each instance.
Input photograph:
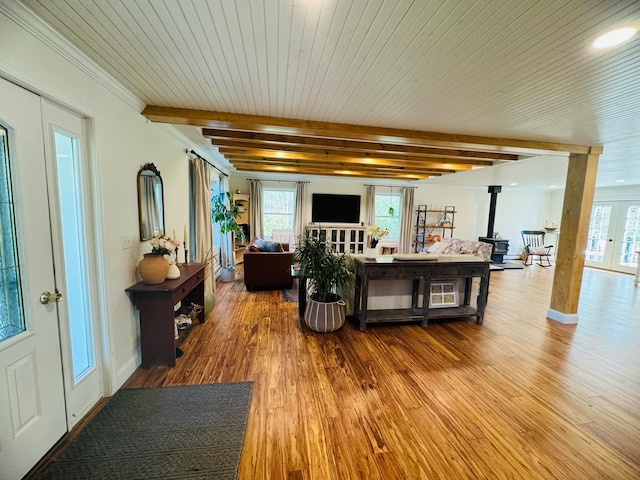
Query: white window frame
(382, 219)
(265, 214)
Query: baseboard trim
(125, 372)
(565, 318)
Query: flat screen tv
(333, 208)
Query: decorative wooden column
(576, 213)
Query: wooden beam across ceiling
(284, 145)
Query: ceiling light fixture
(619, 181)
(513, 184)
(614, 37)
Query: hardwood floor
(520, 397)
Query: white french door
(32, 417)
(50, 370)
(70, 215)
(614, 236)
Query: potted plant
(225, 212)
(329, 275)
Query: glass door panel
(627, 258)
(80, 328)
(598, 236)
(11, 309)
(631, 237)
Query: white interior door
(614, 236)
(32, 416)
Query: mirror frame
(151, 168)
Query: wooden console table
(157, 316)
(443, 268)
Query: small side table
(302, 289)
(157, 315)
(637, 279)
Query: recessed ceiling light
(552, 186)
(513, 184)
(619, 181)
(614, 37)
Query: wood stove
(499, 250)
(500, 246)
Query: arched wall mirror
(150, 202)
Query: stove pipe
(494, 190)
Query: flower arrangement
(163, 245)
(375, 233)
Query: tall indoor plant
(329, 275)
(224, 212)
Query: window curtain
(299, 218)
(370, 207)
(255, 208)
(202, 243)
(406, 221)
(228, 256)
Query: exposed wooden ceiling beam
(281, 142)
(259, 123)
(233, 145)
(329, 172)
(268, 162)
(433, 163)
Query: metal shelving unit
(432, 223)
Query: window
(387, 208)
(278, 207)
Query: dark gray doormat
(185, 432)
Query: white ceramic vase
(370, 253)
(174, 272)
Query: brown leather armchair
(267, 270)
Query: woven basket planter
(324, 317)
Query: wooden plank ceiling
(506, 69)
(255, 143)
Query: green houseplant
(329, 275)
(224, 212)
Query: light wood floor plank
(520, 397)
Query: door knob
(47, 297)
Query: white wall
(516, 209)
(123, 140)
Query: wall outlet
(125, 242)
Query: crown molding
(32, 23)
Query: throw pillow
(267, 246)
(437, 247)
(254, 244)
